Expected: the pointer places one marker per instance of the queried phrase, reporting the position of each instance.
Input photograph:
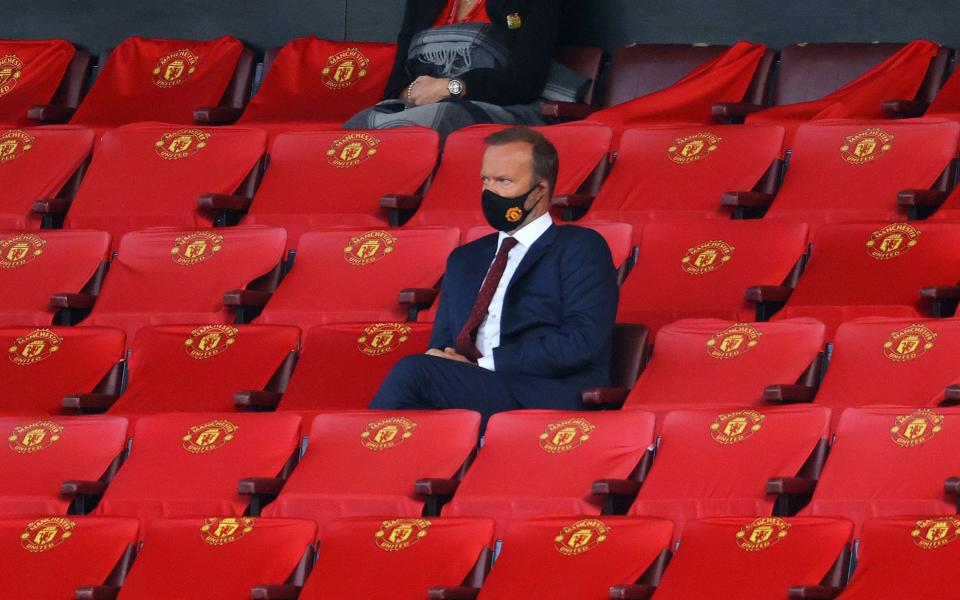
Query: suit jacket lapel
(475, 271)
(533, 255)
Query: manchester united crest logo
(910, 343)
(209, 436)
(692, 148)
(46, 534)
(220, 531)
(382, 338)
(351, 150)
(387, 433)
(762, 533)
(400, 534)
(345, 69)
(369, 248)
(34, 437)
(735, 427)
(581, 537)
(175, 68)
(931, 534)
(892, 241)
(565, 436)
(38, 345)
(11, 69)
(707, 257)
(866, 146)
(210, 340)
(181, 143)
(20, 249)
(733, 341)
(916, 429)
(14, 143)
(196, 248)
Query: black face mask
(505, 214)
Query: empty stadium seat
(38, 72)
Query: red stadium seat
(45, 452)
(31, 73)
(47, 364)
(363, 463)
(217, 557)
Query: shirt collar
(531, 232)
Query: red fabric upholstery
(881, 279)
(46, 451)
(619, 237)
(759, 253)
(329, 179)
(149, 284)
(355, 275)
(581, 565)
(681, 172)
(889, 461)
(714, 463)
(189, 464)
(36, 163)
(852, 171)
(48, 566)
(362, 463)
(180, 559)
(454, 195)
(151, 80)
(44, 365)
(476, 14)
(950, 209)
(30, 73)
(134, 183)
(33, 266)
(542, 463)
(706, 361)
(358, 561)
(714, 561)
(906, 558)
(315, 80)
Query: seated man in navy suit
(526, 315)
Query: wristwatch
(455, 87)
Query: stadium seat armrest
(790, 485)
(814, 592)
(240, 298)
(51, 206)
(566, 110)
(418, 296)
(83, 488)
(607, 397)
(951, 396)
(746, 199)
(260, 486)
(788, 393)
(921, 198)
(436, 487)
(582, 201)
(615, 487)
(216, 115)
(256, 399)
(768, 293)
(633, 591)
(88, 402)
(401, 201)
(943, 292)
(734, 110)
(223, 202)
(453, 593)
(904, 108)
(275, 592)
(96, 592)
(84, 301)
(50, 113)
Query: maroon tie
(466, 341)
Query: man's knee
(411, 368)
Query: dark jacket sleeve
(416, 17)
(442, 335)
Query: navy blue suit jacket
(556, 327)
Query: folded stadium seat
(571, 557)
(583, 149)
(885, 270)
(52, 558)
(190, 464)
(206, 558)
(702, 269)
(153, 174)
(905, 558)
(47, 364)
(356, 275)
(890, 461)
(39, 163)
(38, 72)
(734, 558)
(327, 179)
(363, 463)
(860, 171)
(35, 265)
(543, 463)
(148, 79)
(44, 452)
(402, 558)
(167, 275)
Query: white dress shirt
(488, 334)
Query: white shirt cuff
(486, 362)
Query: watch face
(455, 87)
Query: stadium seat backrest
(360, 558)
(216, 557)
(30, 74)
(36, 163)
(36, 265)
(43, 452)
(574, 557)
(732, 558)
(46, 364)
(362, 463)
(619, 237)
(190, 464)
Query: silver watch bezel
(455, 87)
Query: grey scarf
(452, 50)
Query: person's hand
(450, 354)
(428, 90)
